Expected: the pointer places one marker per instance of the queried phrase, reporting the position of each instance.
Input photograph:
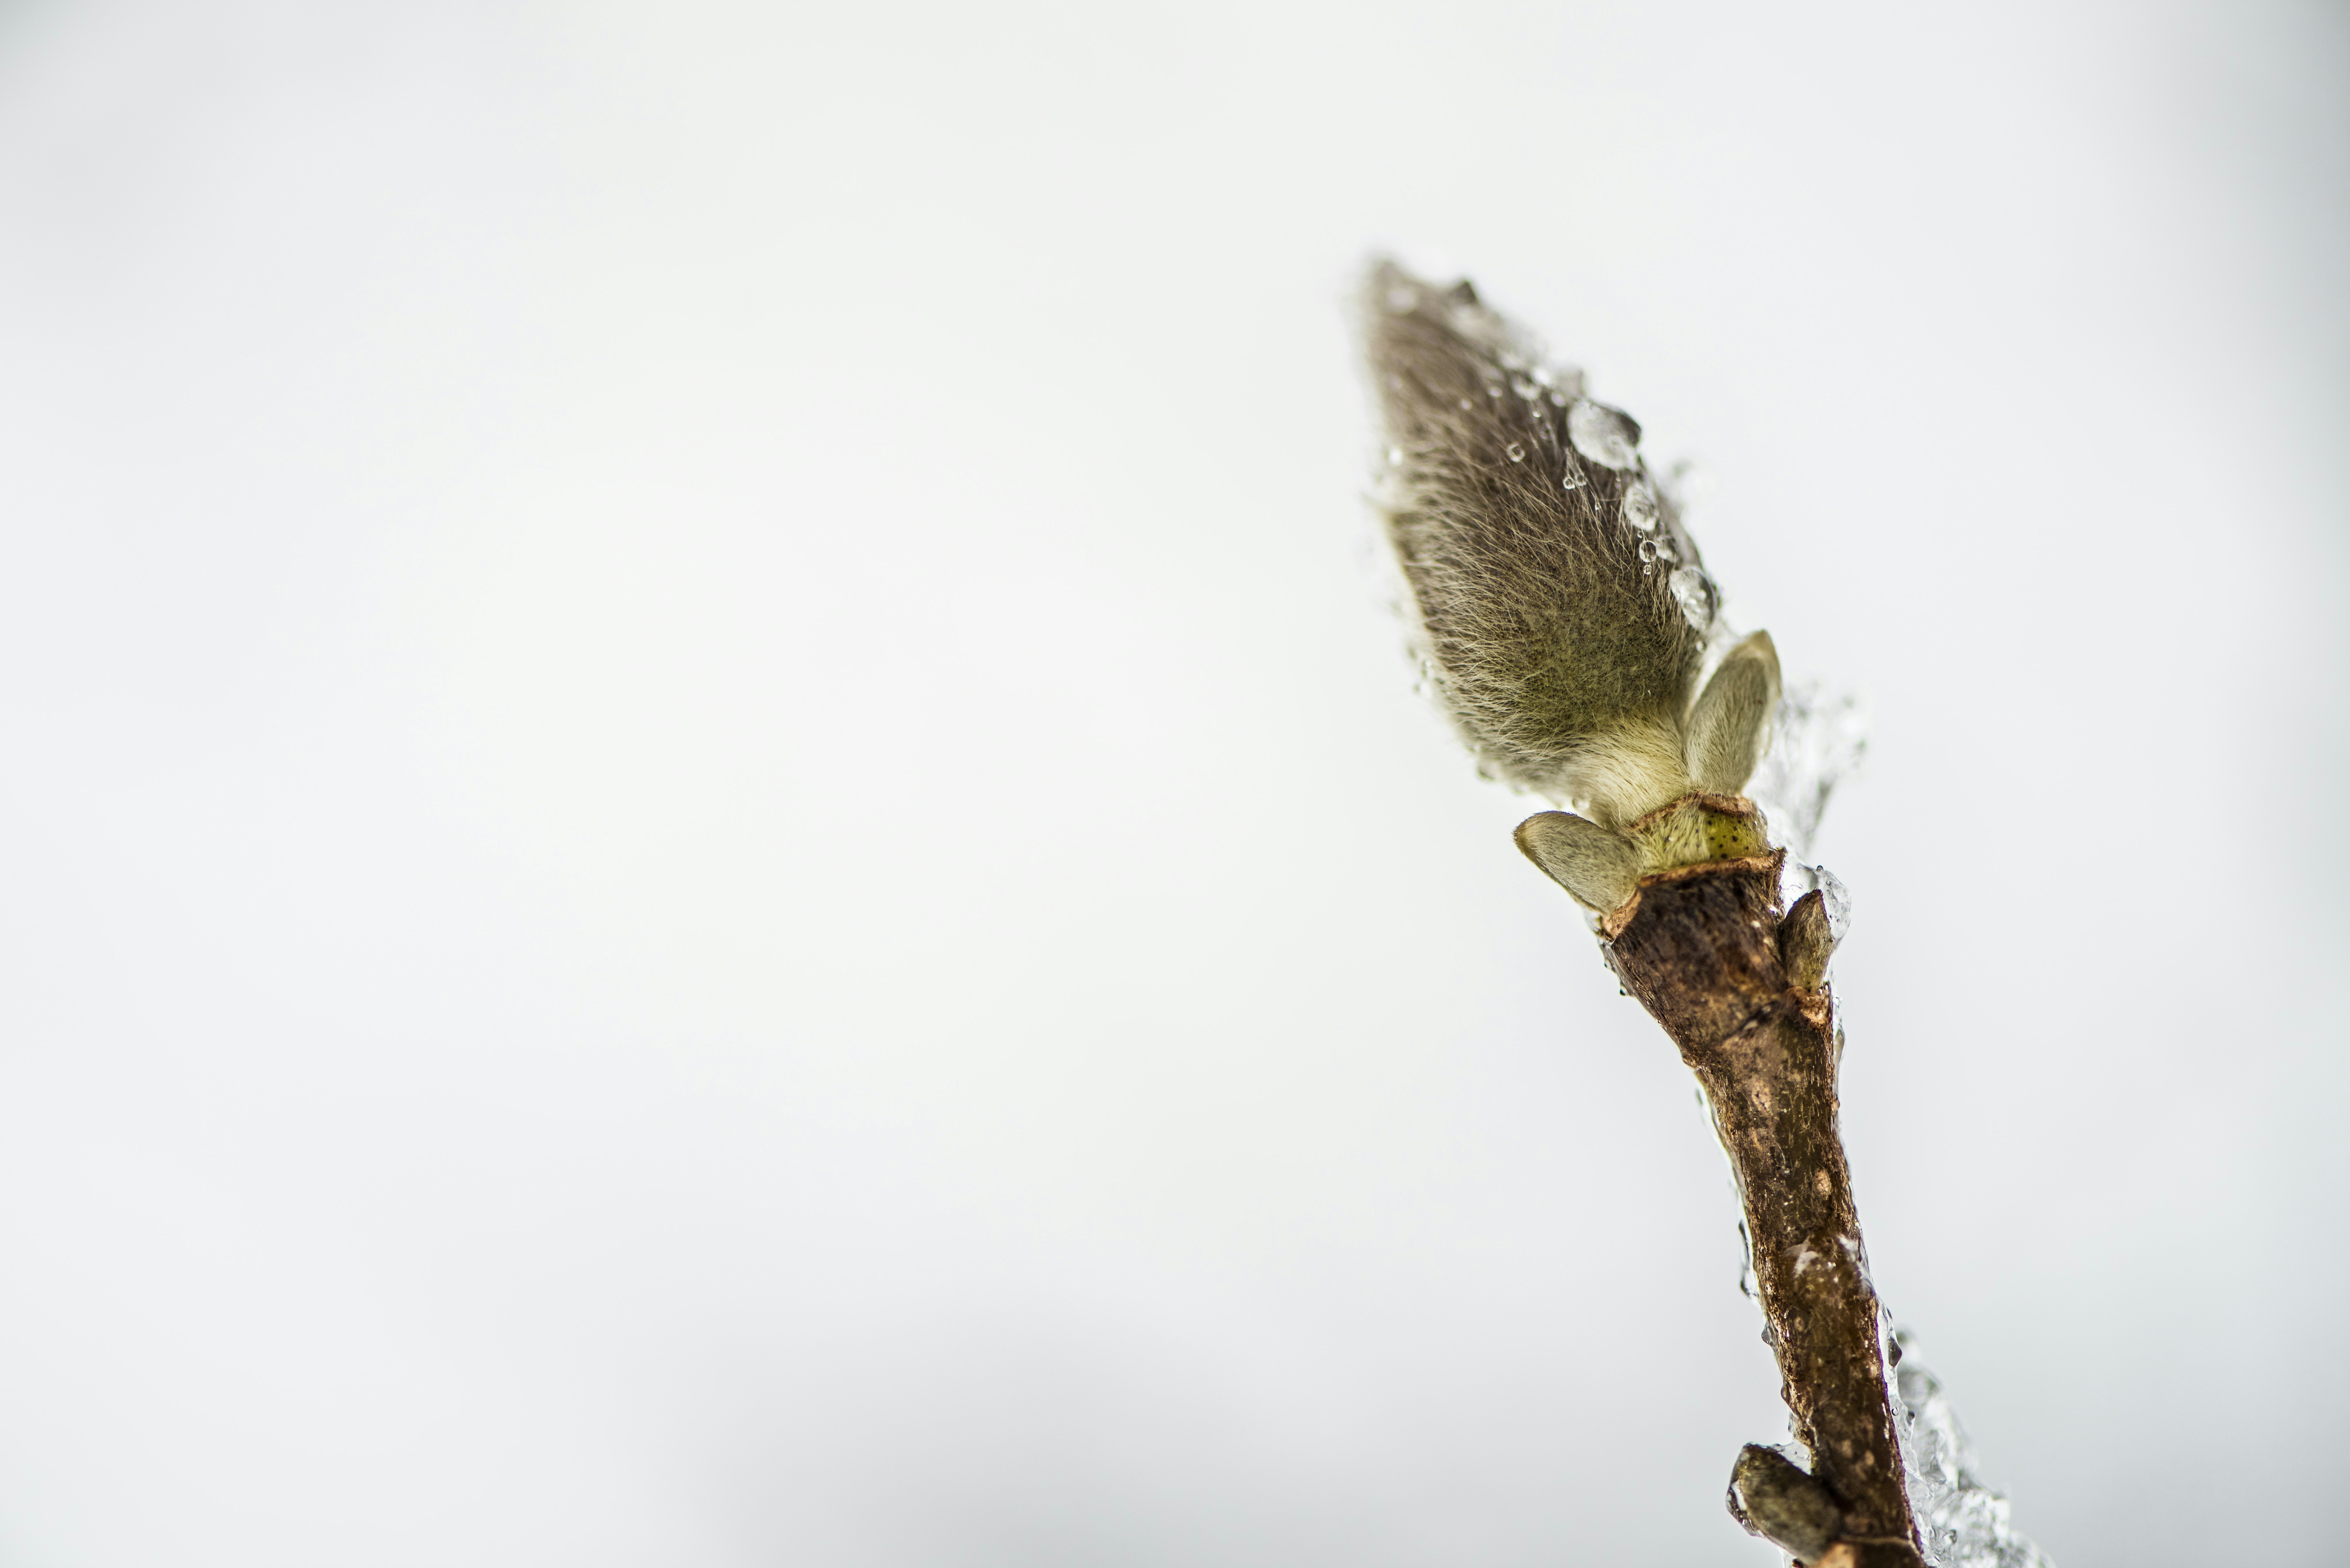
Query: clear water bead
(1694, 592)
(1517, 454)
(1640, 507)
(1605, 435)
(1573, 480)
(1524, 388)
(1648, 549)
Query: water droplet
(1648, 549)
(1517, 454)
(1649, 570)
(1524, 388)
(1557, 398)
(1574, 479)
(1640, 507)
(1492, 388)
(1543, 377)
(1466, 403)
(1402, 299)
(1694, 590)
(1512, 359)
(1605, 435)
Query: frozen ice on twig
(1965, 1523)
(1817, 740)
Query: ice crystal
(1964, 1522)
(1798, 878)
(1816, 741)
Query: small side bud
(1772, 1497)
(1729, 723)
(1600, 867)
(1807, 941)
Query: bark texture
(1705, 951)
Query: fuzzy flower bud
(1561, 608)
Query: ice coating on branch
(1837, 901)
(1798, 878)
(1965, 1523)
(1817, 740)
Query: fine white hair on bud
(1560, 606)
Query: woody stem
(1701, 948)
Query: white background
(715, 852)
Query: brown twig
(1741, 992)
(1565, 619)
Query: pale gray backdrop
(715, 852)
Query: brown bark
(1705, 951)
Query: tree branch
(1705, 949)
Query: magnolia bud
(1559, 604)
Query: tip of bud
(1559, 603)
